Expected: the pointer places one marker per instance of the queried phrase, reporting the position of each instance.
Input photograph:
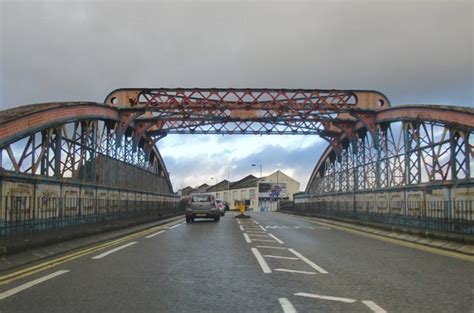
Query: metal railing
(446, 216)
(26, 215)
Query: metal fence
(26, 215)
(446, 216)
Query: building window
(226, 196)
(234, 196)
(252, 193)
(218, 195)
(243, 194)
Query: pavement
(269, 263)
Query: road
(270, 263)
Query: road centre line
(330, 298)
(155, 234)
(373, 306)
(277, 240)
(280, 257)
(247, 238)
(261, 261)
(271, 247)
(174, 226)
(309, 262)
(30, 284)
(100, 256)
(286, 306)
(294, 271)
(241, 228)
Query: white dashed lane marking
(294, 271)
(279, 257)
(330, 298)
(155, 234)
(271, 247)
(30, 284)
(373, 306)
(247, 238)
(286, 305)
(309, 262)
(276, 239)
(261, 261)
(100, 256)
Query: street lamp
(260, 168)
(217, 183)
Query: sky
(415, 52)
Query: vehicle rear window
(203, 198)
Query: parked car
(221, 207)
(202, 205)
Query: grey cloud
(197, 170)
(414, 52)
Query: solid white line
(241, 228)
(294, 271)
(263, 240)
(373, 306)
(100, 256)
(277, 240)
(238, 222)
(262, 227)
(263, 264)
(280, 257)
(307, 261)
(247, 238)
(310, 295)
(30, 284)
(256, 222)
(153, 235)
(286, 306)
(271, 247)
(174, 226)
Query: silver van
(202, 205)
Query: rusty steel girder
(399, 146)
(245, 111)
(372, 145)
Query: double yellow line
(6, 279)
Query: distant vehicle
(202, 205)
(221, 207)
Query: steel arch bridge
(379, 158)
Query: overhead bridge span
(65, 164)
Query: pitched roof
(246, 182)
(222, 185)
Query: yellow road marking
(399, 242)
(5, 279)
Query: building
(260, 194)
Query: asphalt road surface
(269, 263)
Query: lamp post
(217, 185)
(260, 168)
